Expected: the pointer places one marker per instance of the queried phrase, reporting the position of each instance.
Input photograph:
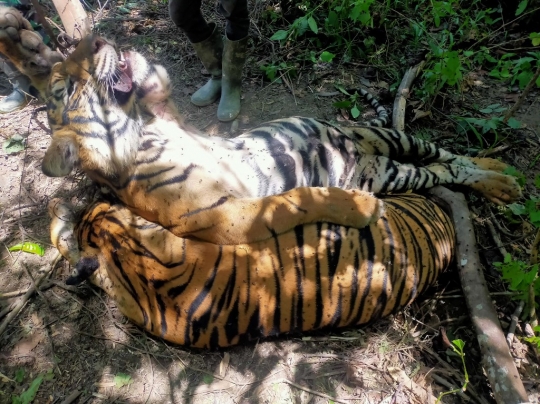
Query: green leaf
(355, 112)
(520, 177)
(333, 19)
(122, 379)
(514, 123)
(123, 9)
(342, 104)
(535, 38)
(28, 247)
(534, 217)
(517, 209)
(327, 56)
(537, 181)
(279, 35)
(459, 344)
(28, 396)
(19, 375)
(14, 144)
(522, 6)
(207, 379)
(313, 25)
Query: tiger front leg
(498, 188)
(237, 221)
(25, 48)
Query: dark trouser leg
(207, 43)
(237, 14)
(186, 14)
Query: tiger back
(314, 277)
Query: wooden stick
(398, 112)
(513, 324)
(500, 369)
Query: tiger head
(99, 99)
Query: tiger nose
(99, 43)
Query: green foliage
(456, 35)
(29, 394)
(351, 104)
(208, 379)
(19, 375)
(535, 38)
(517, 70)
(458, 347)
(14, 144)
(519, 275)
(122, 379)
(481, 126)
(535, 340)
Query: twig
(522, 97)
(448, 385)
(7, 309)
(470, 388)
(47, 285)
(496, 238)
(72, 397)
(501, 371)
(22, 301)
(533, 260)
(515, 318)
(398, 112)
(489, 152)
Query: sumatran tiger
(312, 277)
(111, 114)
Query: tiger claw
(499, 188)
(25, 48)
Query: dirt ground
(82, 344)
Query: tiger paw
(25, 48)
(498, 188)
(489, 164)
(367, 209)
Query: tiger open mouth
(124, 77)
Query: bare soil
(80, 341)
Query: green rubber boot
(234, 58)
(209, 52)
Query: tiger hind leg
(399, 178)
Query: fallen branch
(398, 112)
(498, 363)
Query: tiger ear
(61, 156)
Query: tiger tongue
(124, 83)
